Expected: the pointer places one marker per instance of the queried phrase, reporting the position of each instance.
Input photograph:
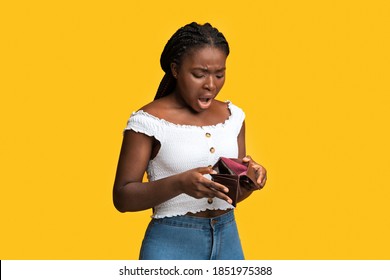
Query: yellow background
(312, 76)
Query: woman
(176, 139)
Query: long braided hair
(186, 39)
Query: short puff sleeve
(144, 123)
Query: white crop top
(184, 147)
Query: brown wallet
(232, 173)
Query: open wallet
(232, 173)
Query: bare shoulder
(221, 107)
(155, 107)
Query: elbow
(125, 207)
(119, 201)
(123, 203)
(119, 207)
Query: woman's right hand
(130, 193)
(193, 183)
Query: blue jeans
(192, 238)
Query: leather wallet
(232, 173)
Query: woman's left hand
(256, 171)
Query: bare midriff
(208, 213)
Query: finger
(247, 158)
(206, 170)
(217, 186)
(223, 196)
(261, 175)
(263, 182)
(211, 192)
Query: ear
(174, 69)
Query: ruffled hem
(168, 123)
(183, 204)
(189, 211)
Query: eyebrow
(205, 69)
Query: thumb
(247, 158)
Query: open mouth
(204, 100)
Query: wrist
(177, 184)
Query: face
(200, 77)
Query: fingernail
(213, 172)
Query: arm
(131, 194)
(258, 170)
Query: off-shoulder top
(184, 147)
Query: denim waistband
(197, 222)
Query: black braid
(187, 38)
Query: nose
(209, 83)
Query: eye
(198, 75)
(220, 75)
